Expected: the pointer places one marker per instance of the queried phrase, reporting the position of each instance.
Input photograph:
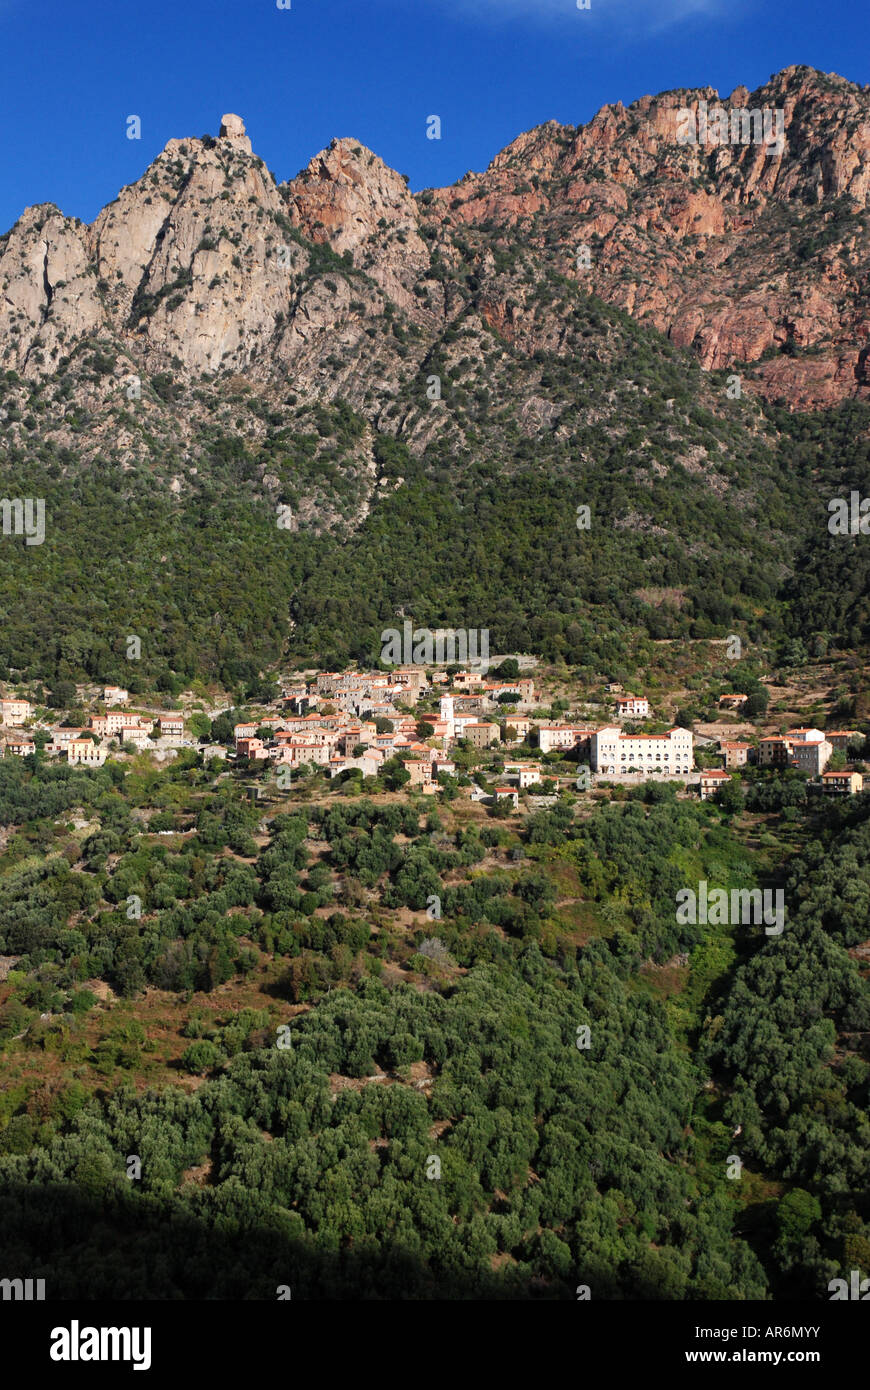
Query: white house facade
(614, 752)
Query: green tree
(201, 1057)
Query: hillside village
(345, 956)
(417, 726)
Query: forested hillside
(336, 1035)
(365, 1103)
(268, 419)
(484, 538)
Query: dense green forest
(386, 1107)
(477, 529)
(359, 1044)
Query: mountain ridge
(423, 389)
(744, 258)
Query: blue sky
(71, 74)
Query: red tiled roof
(657, 736)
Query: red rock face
(349, 198)
(751, 256)
(734, 251)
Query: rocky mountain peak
(233, 129)
(348, 197)
(346, 193)
(737, 252)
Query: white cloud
(645, 14)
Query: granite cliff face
(281, 416)
(743, 253)
(349, 199)
(189, 268)
(342, 283)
